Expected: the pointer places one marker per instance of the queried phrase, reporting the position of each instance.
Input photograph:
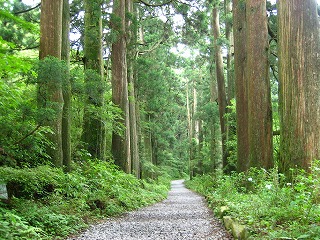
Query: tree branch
(272, 34)
(155, 5)
(27, 10)
(29, 134)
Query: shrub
(271, 207)
(47, 203)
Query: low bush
(47, 203)
(271, 207)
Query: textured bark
(239, 31)
(50, 45)
(259, 96)
(229, 37)
(194, 129)
(189, 130)
(213, 130)
(120, 144)
(131, 53)
(148, 153)
(94, 132)
(66, 88)
(200, 169)
(299, 84)
(222, 99)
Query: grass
(268, 205)
(49, 204)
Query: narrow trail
(183, 215)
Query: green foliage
(161, 97)
(23, 142)
(13, 227)
(232, 136)
(17, 32)
(46, 203)
(271, 207)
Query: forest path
(183, 215)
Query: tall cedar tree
(131, 53)
(299, 84)
(94, 132)
(66, 88)
(50, 90)
(239, 31)
(222, 98)
(259, 95)
(120, 144)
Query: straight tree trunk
(222, 99)
(200, 146)
(190, 131)
(239, 31)
(259, 95)
(66, 91)
(213, 122)
(229, 37)
(94, 132)
(299, 64)
(120, 144)
(50, 90)
(131, 53)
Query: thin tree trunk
(120, 144)
(229, 37)
(299, 79)
(66, 117)
(190, 131)
(259, 95)
(200, 146)
(222, 99)
(51, 89)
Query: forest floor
(183, 215)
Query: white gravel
(183, 215)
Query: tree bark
(51, 89)
(239, 31)
(120, 144)
(66, 91)
(229, 37)
(131, 53)
(298, 33)
(94, 132)
(213, 122)
(259, 95)
(222, 99)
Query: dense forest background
(155, 89)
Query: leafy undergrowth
(48, 203)
(268, 205)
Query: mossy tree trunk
(298, 33)
(50, 89)
(121, 147)
(94, 132)
(259, 95)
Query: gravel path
(183, 215)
